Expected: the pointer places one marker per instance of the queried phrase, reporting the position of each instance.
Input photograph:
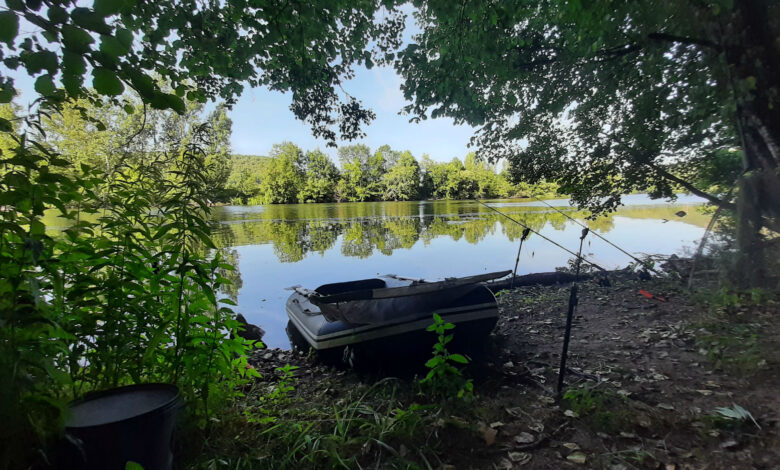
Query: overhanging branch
(694, 190)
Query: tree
(283, 176)
(608, 98)
(202, 51)
(361, 173)
(402, 181)
(245, 174)
(321, 178)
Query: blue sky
(262, 118)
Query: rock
(250, 331)
(525, 438)
(488, 434)
(571, 445)
(577, 457)
(496, 424)
(520, 458)
(730, 444)
(267, 356)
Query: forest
(126, 141)
(287, 175)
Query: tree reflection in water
(298, 229)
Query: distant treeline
(290, 175)
(152, 140)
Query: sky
(262, 118)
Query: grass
(313, 432)
(728, 333)
(603, 411)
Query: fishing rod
(643, 263)
(543, 237)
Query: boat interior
(343, 287)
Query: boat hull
(473, 311)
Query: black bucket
(126, 424)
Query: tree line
(292, 175)
(105, 137)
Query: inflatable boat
(391, 310)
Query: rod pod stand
(570, 316)
(526, 232)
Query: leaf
(9, 27)
(89, 20)
(113, 47)
(45, 85)
(108, 7)
(106, 82)
(76, 39)
(41, 60)
(459, 358)
(130, 465)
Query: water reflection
(296, 230)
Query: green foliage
(736, 413)
(603, 411)
(283, 176)
(312, 433)
(290, 176)
(126, 294)
(202, 51)
(444, 379)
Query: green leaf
(9, 27)
(73, 63)
(76, 39)
(37, 228)
(45, 85)
(458, 358)
(433, 362)
(7, 93)
(57, 14)
(41, 60)
(113, 47)
(5, 125)
(106, 82)
(125, 37)
(90, 20)
(108, 7)
(130, 465)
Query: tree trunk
(755, 61)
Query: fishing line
(543, 237)
(643, 263)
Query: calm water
(284, 245)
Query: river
(280, 246)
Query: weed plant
(444, 379)
(127, 293)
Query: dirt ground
(646, 377)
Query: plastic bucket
(126, 424)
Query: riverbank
(653, 384)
